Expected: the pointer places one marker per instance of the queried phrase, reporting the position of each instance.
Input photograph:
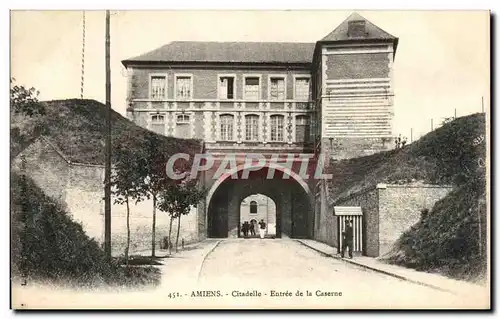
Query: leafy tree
(176, 198)
(155, 178)
(127, 181)
(25, 101)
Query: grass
(444, 156)
(48, 246)
(447, 239)
(77, 127)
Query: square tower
(353, 89)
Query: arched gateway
(289, 191)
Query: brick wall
(349, 147)
(205, 81)
(357, 66)
(400, 206)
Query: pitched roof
(372, 31)
(245, 52)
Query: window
(302, 128)
(183, 127)
(253, 207)
(182, 119)
(277, 128)
(183, 87)
(252, 127)
(158, 87)
(302, 89)
(226, 127)
(277, 89)
(252, 88)
(226, 88)
(158, 123)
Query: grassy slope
(447, 240)
(77, 127)
(46, 244)
(444, 156)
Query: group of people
(247, 228)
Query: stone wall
(400, 207)
(388, 211)
(79, 187)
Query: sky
(442, 60)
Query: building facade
(331, 98)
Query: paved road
(204, 277)
(286, 265)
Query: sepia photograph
(250, 159)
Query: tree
(155, 178)
(25, 101)
(176, 198)
(127, 181)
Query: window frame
(183, 75)
(232, 139)
(153, 75)
(250, 75)
(246, 116)
(307, 124)
(183, 121)
(151, 122)
(276, 76)
(271, 127)
(223, 75)
(253, 203)
(301, 76)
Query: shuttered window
(252, 88)
(183, 87)
(277, 89)
(302, 89)
(158, 87)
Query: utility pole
(455, 114)
(432, 125)
(82, 80)
(482, 104)
(411, 135)
(107, 169)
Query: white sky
(442, 62)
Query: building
(332, 97)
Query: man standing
(262, 228)
(347, 235)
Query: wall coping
(411, 185)
(385, 186)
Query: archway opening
(291, 196)
(255, 209)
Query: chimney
(356, 29)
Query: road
(286, 265)
(253, 273)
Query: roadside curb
(200, 267)
(388, 273)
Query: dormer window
(356, 28)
